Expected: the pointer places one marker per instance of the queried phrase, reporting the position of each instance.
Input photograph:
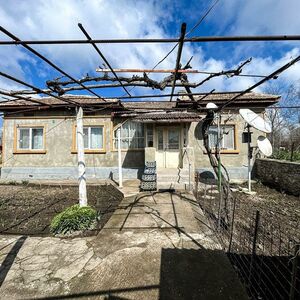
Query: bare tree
(280, 117)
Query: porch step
(171, 185)
(174, 179)
(172, 171)
(173, 176)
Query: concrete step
(172, 178)
(171, 185)
(172, 171)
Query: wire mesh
(262, 244)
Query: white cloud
(126, 19)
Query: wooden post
(120, 158)
(80, 157)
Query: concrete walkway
(153, 247)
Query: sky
(52, 19)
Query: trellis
(57, 88)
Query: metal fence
(261, 244)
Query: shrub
(73, 218)
(286, 155)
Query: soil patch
(28, 210)
(276, 207)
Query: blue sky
(37, 19)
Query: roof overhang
(167, 117)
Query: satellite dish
(255, 120)
(264, 145)
(211, 105)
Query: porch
(168, 146)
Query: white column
(120, 158)
(80, 157)
(249, 160)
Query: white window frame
(115, 138)
(89, 136)
(30, 138)
(222, 147)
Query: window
(228, 140)
(132, 136)
(30, 138)
(93, 137)
(150, 135)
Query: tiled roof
(81, 100)
(251, 98)
(168, 116)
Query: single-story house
(39, 142)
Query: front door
(167, 146)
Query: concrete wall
(280, 174)
(60, 158)
(61, 161)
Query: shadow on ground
(10, 258)
(184, 274)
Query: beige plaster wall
(59, 141)
(229, 159)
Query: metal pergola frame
(181, 40)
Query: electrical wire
(189, 32)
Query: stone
(66, 273)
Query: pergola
(178, 78)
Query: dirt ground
(29, 209)
(154, 246)
(274, 206)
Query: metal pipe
(102, 56)
(38, 90)
(18, 98)
(249, 159)
(119, 132)
(80, 158)
(2, 29)
(201, 39)
(180, 46)
(271, 76)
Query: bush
(286, 155)
(73, 218)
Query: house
(39, 142)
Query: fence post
(232, 225)
(257, 217)
(197, 185)
(294, 272)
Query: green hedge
(286, 155)
(73, 218)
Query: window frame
(89, 150)
(18, 150)
(235, 140)
(114, 139)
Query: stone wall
(280, 174)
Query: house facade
(39, 142)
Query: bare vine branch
(61, 87)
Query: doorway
(168, 144)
